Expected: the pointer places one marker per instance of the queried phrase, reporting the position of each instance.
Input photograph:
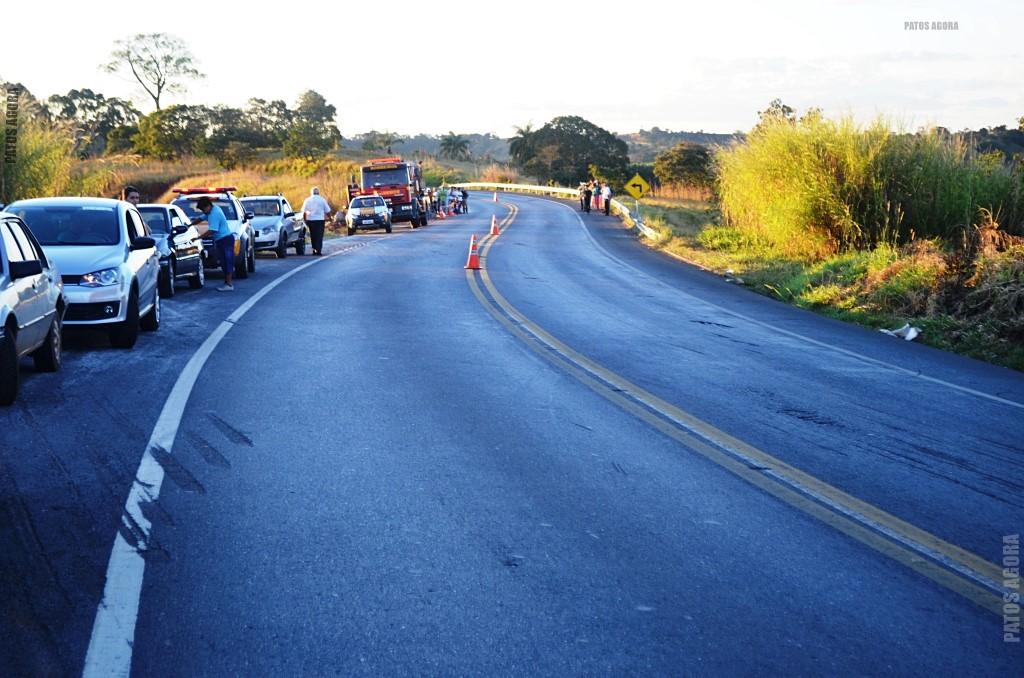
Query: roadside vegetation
(866, 225)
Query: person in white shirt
(606, 198)
(315, 210)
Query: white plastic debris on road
(906, 332)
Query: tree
(382, 141)
(158, 61)
(91, 117)
(520, 147)
(564, 150)
(454, 146)
(1020, 123)
(307, 139)
(269, 121)
(313, 131)
(685, 163)
(173, 132)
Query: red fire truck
(399, 182)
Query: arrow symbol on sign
(638, 187)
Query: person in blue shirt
(223, 239)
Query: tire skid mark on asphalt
(113, 632)
(229, 431)
(951, 566)
(210, 453)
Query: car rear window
(189, 205)
(155, 218)
(263, 208)
(368, 202)
(71, 225)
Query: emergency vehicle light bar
(207, 189)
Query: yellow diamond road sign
(637, 187)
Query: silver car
(32, 306)
(276, 224)
(107, 258)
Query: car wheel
(300, 245)
(125, 333)
(197, 281)
(242, 265)
(47, 356)
(167, 279)
(282, 246)
(151, 321)
(10, 376)
(250, 262)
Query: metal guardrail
(633, 219)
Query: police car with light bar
(239, 221)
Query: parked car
(107, 258)
(238, 220)
(32, 305)
(276, 225)
(368, 211)
(179, 244)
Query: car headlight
(104, 278)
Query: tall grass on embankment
(820, 186)
(45, 165)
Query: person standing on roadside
(465, 201)
(606, 198)
(588, 193)
(314, 211)
(130, 194)
(583, 205)
(223, 239)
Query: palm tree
(454, 146)
(520, 147)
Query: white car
(367, 211)
(275, 224)
(32, 306)
(107, 258)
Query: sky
(477, 67)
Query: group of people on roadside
(595, 195)
(451, 200)
(315, 211)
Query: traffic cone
(494, 226)
(440, 214)
(473, 262)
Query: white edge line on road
(795, 335)
(113, 631)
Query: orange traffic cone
(440, 214)
(494, 226)
(473, 262)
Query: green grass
(822, 186)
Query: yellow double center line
(953, 567)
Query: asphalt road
(381, 470)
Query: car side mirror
(179, 229)
(24, 269)
(249, 216)
(143, 242)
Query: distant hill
(645, 145)
(481, 146)
(1010, 142)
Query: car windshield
(189, 205)
(263, 208)
(71, 225)
(156, 219)
(385, 177)
(368, 202)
